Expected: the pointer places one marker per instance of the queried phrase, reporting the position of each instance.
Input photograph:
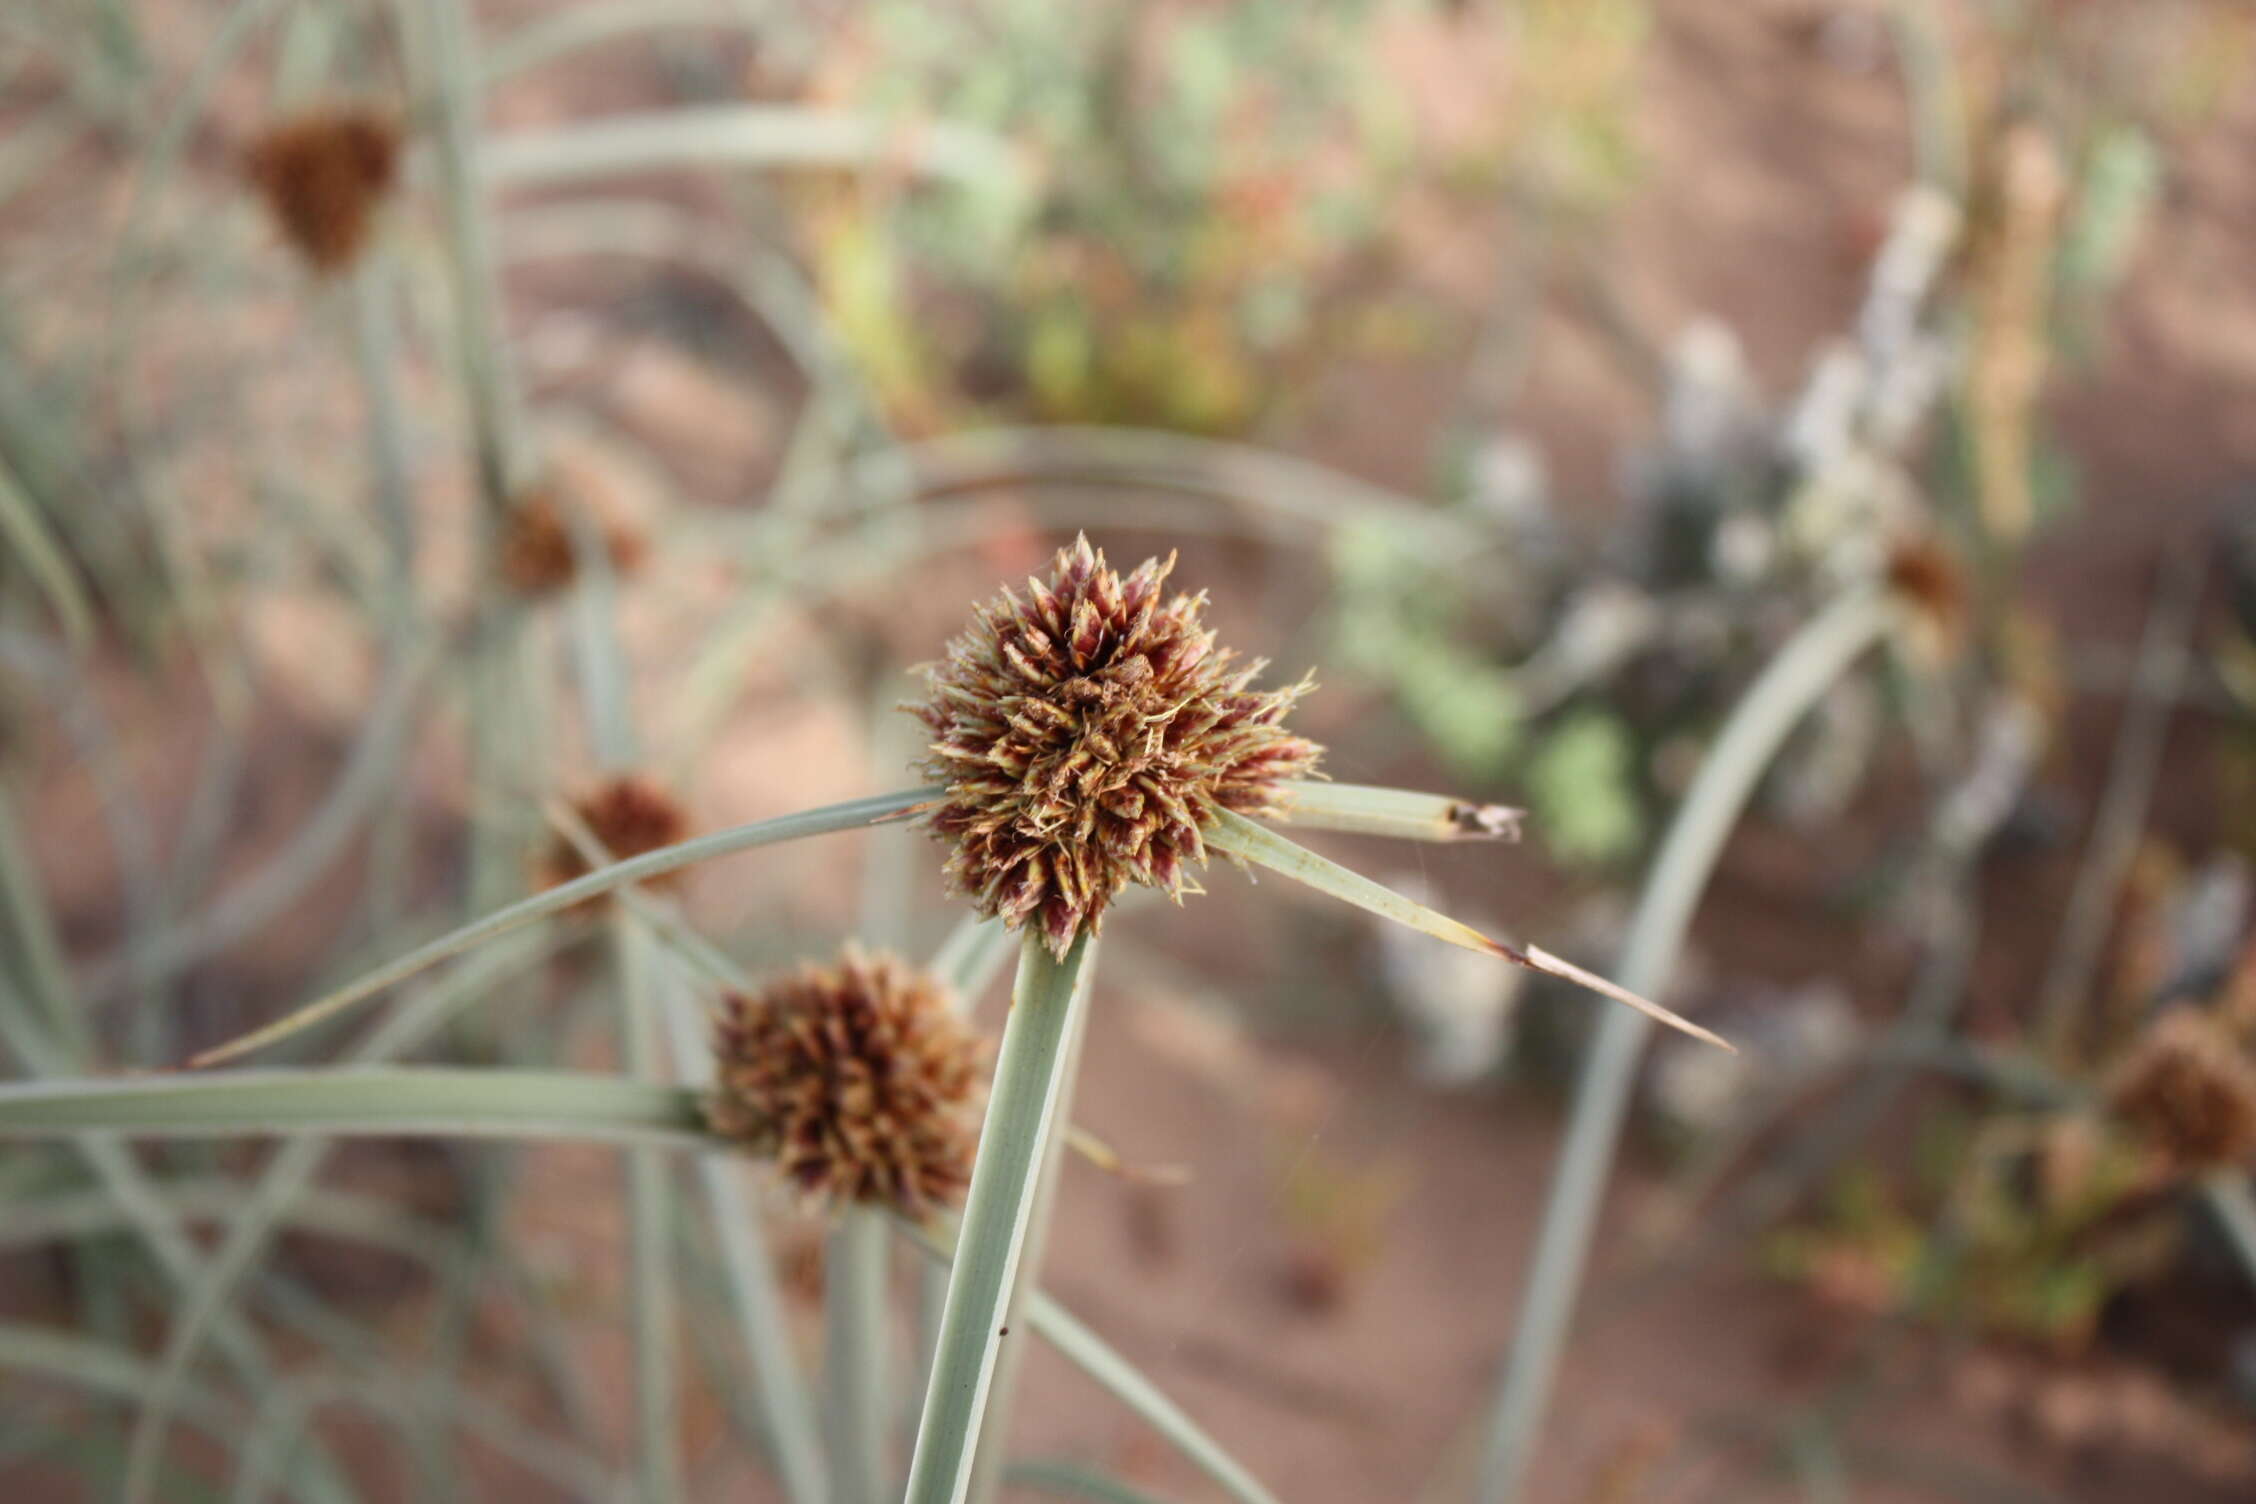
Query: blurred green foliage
(1209, 174)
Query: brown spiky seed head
(535, 551)
(630, 814)
(2189, 1089)
(323, 176)
(1929, 579)
(1087, 735)
(860, 1080)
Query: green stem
(855, 1363)
(1049, 1006)
(1090, 1353)
(650, 1217)
(1759, 725)
(1002, 1394)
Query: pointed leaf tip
(1535, 958)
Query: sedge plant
(1083, 738)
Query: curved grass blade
(1302, 490)
(1235, 835)
(1070, 1481)
(347, 1216)
(285, 1177)
(101, 1369)
(1049, 1004)
(1794, 680)
(1361, 809)
(368, 773)
(576, 28)
(30, 540)
(855, 813)
(746, 136)
(422, 1101)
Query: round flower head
(859, 1079)
(1087, 735)
(323, 175)
(536, 553)
(2190, 1089)
(629, 815)
(1929, 580)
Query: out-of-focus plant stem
(650, 1218)
(794, 1438)
(855, 1366)
(444, 43)
(1759, 724)
(2165, 653)
(449, 49)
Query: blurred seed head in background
(859, 1079)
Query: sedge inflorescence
(535, 551)
(628, 815)
(323, 175)
(1087, 735)
(2189, 1089)
(859, 1079)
